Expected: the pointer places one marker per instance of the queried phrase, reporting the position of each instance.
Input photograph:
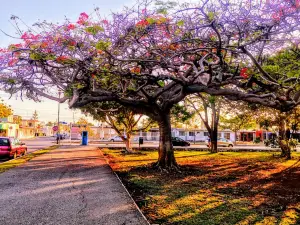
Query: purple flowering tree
(148, 60)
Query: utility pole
(58, 129)
(71, 133)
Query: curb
(140, 211)
(29, 153)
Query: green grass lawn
(222, 188)
(16, 162)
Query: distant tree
(281, 123)
(180, 114)
(5, 110)
(295, 120)
(84, 121)
(85, 125)
(124, 121)
(210, 106)
(284, 65)
(49, 123)
(35, 115)
(17, 119)
(237, 116)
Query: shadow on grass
(234, 191)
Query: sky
(31, 11)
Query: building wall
(8, 129)
(198, 135)
(26, 132)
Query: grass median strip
(16, 162)
(223, 188)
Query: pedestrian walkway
(70, 185)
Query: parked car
(60, 136)
(202, 139)
(12, 147)
(115, 138)
(176, 141)
(222, 142)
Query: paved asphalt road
(71, 185)
(41, 142)
(193, 146)
(155, 144)
(38, 143)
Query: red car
(11, 147)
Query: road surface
(155, 144)
(68, 186)
(38, 143)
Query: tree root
(166, 169)
(130, 152)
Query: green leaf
(72, 48)
(102, 45)
(50, 57)
(78, 85)
(35, 56)
(68, 92)
(180, 23)
(151, 20)
(161, 83)
(11, 81)
(94, 29)
(162, 11)
(131, 89)
(212, 99)
(211, 16)
(98, 28)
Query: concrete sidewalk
(70, 185)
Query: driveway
(70, 185)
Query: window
(191, 133)
(206, 134)
(219, 135)
(4, 142)
(227, 136)
(181, 133)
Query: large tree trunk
(282, 139)
(166, 158)
(127, 142)
(214, 127)
(214, 140)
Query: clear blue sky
(30, 11)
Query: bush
(293, 143)
(257, 140)
(267, 142)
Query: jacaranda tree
(124, 121)
(148, 60)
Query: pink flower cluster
(83, 18)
